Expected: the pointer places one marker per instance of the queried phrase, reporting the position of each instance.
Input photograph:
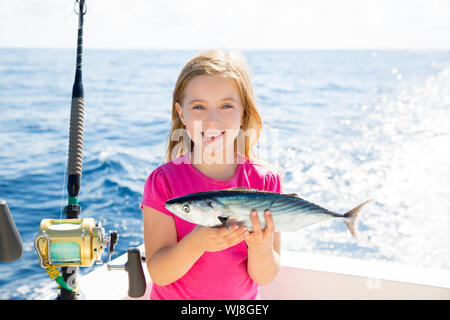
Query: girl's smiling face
(212, 112)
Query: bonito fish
(222, 207)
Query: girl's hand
(260, 239)
(217, 239)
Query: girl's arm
(168, 260)
(264, 246)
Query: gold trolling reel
(81, 243)
(70, 242)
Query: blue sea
(343, 126)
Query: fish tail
(350, 218)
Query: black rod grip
(136, 278)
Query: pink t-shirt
(218, 275)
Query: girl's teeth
(210, 137)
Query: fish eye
(185, 208)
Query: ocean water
(343, 126)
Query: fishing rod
(75, 157)
(74, 242)
(53, 246)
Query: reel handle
(136, 278)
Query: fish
(233, 205)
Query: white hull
(307, 276)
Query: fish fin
(237, 188)
(271, 205)
(291, 195)
(224, 221)
(217, 205)
(245, 189)
(350, 218)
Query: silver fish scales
(222, 207)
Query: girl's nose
(212, 116)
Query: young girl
(213, 103)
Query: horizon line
(243, 49)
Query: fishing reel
(70, 242)
(81, 243)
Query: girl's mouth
(211, 136)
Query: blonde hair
(231, 64)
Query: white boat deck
(307, 276)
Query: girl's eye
(199, 107)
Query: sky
(229, 24)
